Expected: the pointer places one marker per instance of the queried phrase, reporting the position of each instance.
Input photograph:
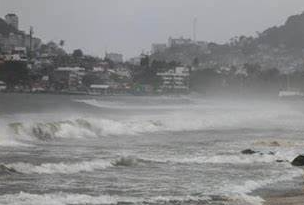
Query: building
(135, 61)
(158, 48)
(99, 89)
(2, 42)
(115, 57)
(68, 77)
(176, 80)
(13, 20)
(19, 54)
(33, 44)
(175, 42)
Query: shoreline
(285, 199)
(285, 193)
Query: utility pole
(31, 41)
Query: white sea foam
(61, 168)
(208, 115)
(216, 116)
(243, 191)
(226, 159)
(60, 199)
(66, 199)
(125, 106)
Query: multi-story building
(68, 77)
(158, 48)
(2, 41)
(173, 42)
(135, 61)
(33, 43)
(115, 57)
(13, 20)
(176, 80)
(8, 44)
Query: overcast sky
(130, 26)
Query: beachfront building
(175, 80)
(99, 89)
(68, 78)
(17, 54)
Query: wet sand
(291, 196)
(285, 200)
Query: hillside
(277, 47)
(291, 34)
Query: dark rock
(275, 144)
(279, 161)
(298, 161)
(271, 153)
(248, 151)
(4, 170)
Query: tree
(61, 43)
(14, 73)
(145, 61)
(77, 53)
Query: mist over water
(145, 150)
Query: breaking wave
(72, 168)
(184, 117)
(243, 191)
(176, 121)
(227, 159)
(67, 199)
(128, 161)
(60, 168)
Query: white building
(13, 20)
(176, 79)
(174, 42)
(115, 57)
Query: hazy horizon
(131, 26)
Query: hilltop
(278, 47)
(291, 34)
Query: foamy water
(154, 150)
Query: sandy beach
(292, 196)
(285, 200)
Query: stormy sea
(168, 150)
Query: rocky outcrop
(249, 151)
(4, 170)
(298, 161)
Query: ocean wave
(220, 117)
(67, 199)
(243, 191)
(224, 159)
(76, 129)
(72, 168)
(60, 199)
(45, 131)
(125, 106)
(60, 168)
